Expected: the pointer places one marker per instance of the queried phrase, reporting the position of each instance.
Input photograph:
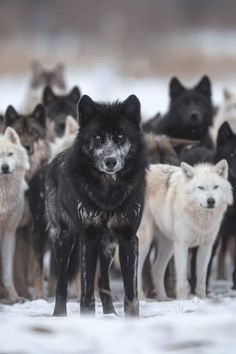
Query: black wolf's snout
(110, 162)
(5, 168)
(29, 148)
(195, 117)
(211, 202)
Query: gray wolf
(40, 78)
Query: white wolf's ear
(71, 126)
(222, 168)
(12, 135)
(187, 169)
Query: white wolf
(13, 164)
(226, 112)
(186, 205)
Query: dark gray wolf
(190, 112)
(59, 107)
(95, 196)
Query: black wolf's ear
(48, 96)
(74, 95)
(225, 133)
(175, 88)
(204, 86)
(86, 110)
(40, 114)
(132, 109)
(10, 116)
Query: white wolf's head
(13, 156)
(207, 186)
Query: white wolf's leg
(143, 252)
(181, 264)
(164, 254)
(145, 235)
(203, 258)
(7, 255)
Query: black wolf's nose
(5, 168)
(110, 162)
(194, 117)
(28, 148)
(211, 202)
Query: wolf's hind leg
(164, 254)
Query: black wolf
(94, 196)
(59, 107)
(226, 148)
(190, 112)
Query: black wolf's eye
(10, 154)
(216, 187)
(201, 188)
(98, 137)
(120, 136)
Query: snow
(193, 326)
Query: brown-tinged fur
(32, 131)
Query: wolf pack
(89, 191)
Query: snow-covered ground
(193, 326)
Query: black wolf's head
(110, 136)
(191, 109)
(31, 128)
(59, 107)
(41, 77)
(226, 148)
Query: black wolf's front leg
(106, 254)
(89, 256)
(62, 248)
(128, 252)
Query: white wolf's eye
(215, 187)
(10, 154)
(201, 188)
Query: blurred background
(132, 39)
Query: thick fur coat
(95, 196)
(14, 163)
(186, 204)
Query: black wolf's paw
(131, 308)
